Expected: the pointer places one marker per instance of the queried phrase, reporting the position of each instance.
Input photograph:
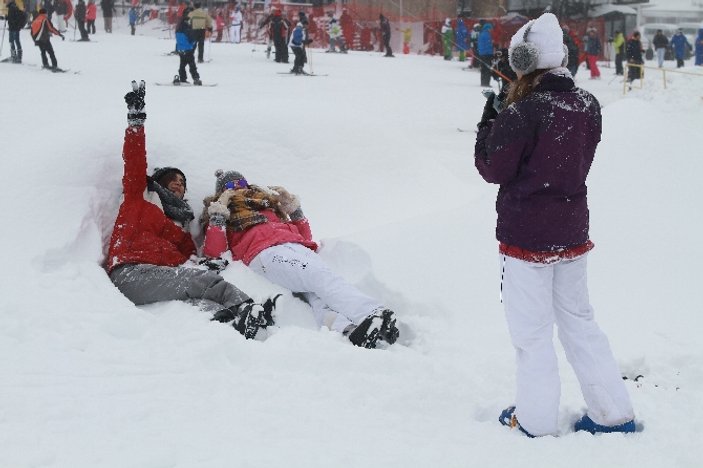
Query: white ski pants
(334, 302)
(536, 297)
(235, 33)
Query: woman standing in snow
(265, 228)
(150, 247)
(539, 150)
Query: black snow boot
(248, 319)
(378, 326)
(267, 314)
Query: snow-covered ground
(89, 380)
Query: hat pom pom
(524, 58)
(219, 172)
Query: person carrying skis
(266, 229)
(16, 19)
(41, 31)
(185, 46)
(151, 250)
(539, 150)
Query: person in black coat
(385, 26)
(573, 59)
(16, 19)
(633, 54)
(80, 20)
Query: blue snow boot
(588, 425)
(507, 418)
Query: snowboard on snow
(300, 74)
(187, 85)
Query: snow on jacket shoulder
(539, 150)
(142, 232)
(248, 244)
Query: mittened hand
(226, 197)
(287, 202)
(489, 112)
(218, 213)
(135, 104)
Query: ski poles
(4, 27)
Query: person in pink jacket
(265, 228)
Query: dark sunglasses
(239, 183)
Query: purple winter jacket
(540, 150)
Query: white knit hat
(539, 44)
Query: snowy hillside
(89, 380)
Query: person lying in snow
(149, 259)
(265, 228)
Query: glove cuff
(218, 220)
(136, 118)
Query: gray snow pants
(145, 284)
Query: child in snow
(150, 247)
(265, 228)
(539, 150)
(133, 16)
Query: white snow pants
(536, 297)
(235, 33)
(334, 302)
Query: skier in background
(79, 14)
(633, 54)
(202, 24)
(661, 42)
(385, 26)
(680, 46)
(91, 13)
(133, 16)
(108, 8)
(447, 39)
(485, 53)
(298, 40)
(42, 29)
(16, 20)
(461, 36)
(185, 46)
(235, 28)
(699, 48)
(619, 45)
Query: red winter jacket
(248, 244)
(91, 12)
(142, 232)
